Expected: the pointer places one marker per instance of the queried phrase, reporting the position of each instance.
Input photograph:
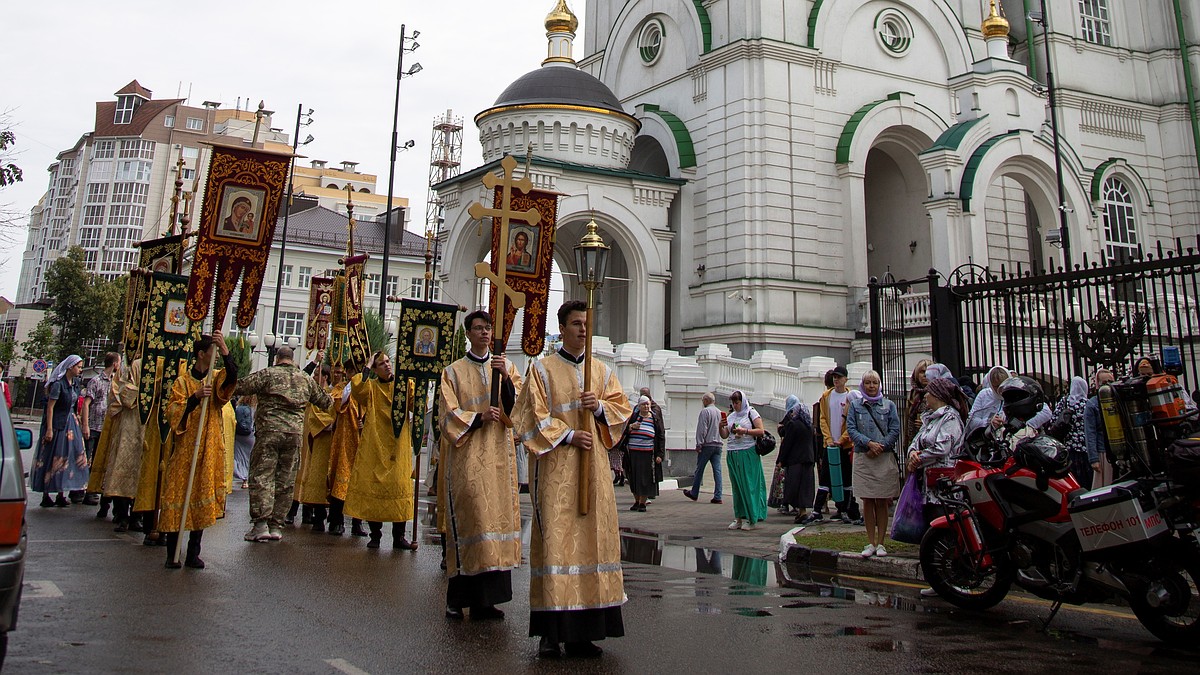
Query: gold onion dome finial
(561, 19)
(995, 25)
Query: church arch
(933, 19)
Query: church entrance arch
(895, 189)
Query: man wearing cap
(838, 445)
(283, 391)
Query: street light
(302, 119)
(1064, 235)
(408, 43)
(591, 260)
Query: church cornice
(759, 49)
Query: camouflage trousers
(273, 475)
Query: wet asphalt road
(101, 603)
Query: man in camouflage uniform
(283, 392)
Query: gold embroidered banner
(529, 254)
(168, 343)
(424, 348)
(320, 313)
(241, 202)
(154, 255)
(349, 333)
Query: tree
(84, 305)
(377, 335)
(240, 352)
(8, 353)
(10, 173)
(41, 343)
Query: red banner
(529, 253)
(241, 203)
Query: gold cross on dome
(505, 214)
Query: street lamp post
(1042, 18)
(591, 260)
(387, 232)
(287, 210)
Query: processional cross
(505, 215)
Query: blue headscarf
(791, 402)
(795, 409)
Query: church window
(650, 41)
(1120, 225)
(893, 31)
(1094, 22)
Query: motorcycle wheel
(1175, 583)
(948, 573)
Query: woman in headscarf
(743, 427)
(914, 405)
(61, 464)
(1070, 412)
(988, 407)
(798, 459)
(644, 454)
(874, 425)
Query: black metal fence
(1048, 326)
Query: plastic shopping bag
(908, 525)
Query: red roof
(136, 89)
(106, 111)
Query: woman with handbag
(873, 423)
(936, 444)
(743, 427)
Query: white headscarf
(1079, 390)
(60, 371)
(643, 399)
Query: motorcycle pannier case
(1113, 516)
(1183, 461)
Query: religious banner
(523, 222)
(529, 255)
(320, 313)
(424, 348)
(154, 255)
(168, 343)
(241, 203)
(356, 328)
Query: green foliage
(239, 351)
(10, 173)
(84, 305)
(460, 343)
(42, 342)
(8, 352)
(377, 335)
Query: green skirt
(749, 487)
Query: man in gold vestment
(478, 477)
(312, 480)
(342, 451)
(381, 486)
(576, 588)
(207, 500)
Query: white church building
(753, 163)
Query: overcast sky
(337, 58)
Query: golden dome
(995, 25)
(561, 19)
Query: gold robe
(312, 482)
(381, 484)
(477, 475)
(229, 429)
(124, 439)
(574, 561)
(344, 446)
(207, 502)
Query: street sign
(40, 366)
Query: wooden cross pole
(506, 215)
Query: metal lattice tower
(445, 162)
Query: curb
(828, 562)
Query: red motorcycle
(1021, 518)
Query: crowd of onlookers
(846, 457)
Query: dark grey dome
(561, 85)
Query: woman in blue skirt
(61, 464)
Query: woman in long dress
(243, 438)
(798, 459)
(743, 427)
(644, 454)
(874, 425)
(61, 464)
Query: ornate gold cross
(505, 213)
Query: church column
(854, 220)
(945, 225)
(655, 322)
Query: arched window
(1120, 224)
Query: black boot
(442, 538)
(291, 514)
(193, 550)
(337, 522)
(399, 541)
(103, 512)
(318, 518)
(61, 501)
(121, 517)
(172, 539)
(306, 514)
(356, 528)
(47, 502)
(376, 534)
